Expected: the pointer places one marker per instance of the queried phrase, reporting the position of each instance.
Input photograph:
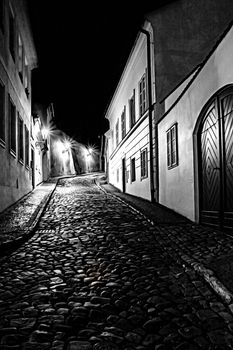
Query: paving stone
(105, 278)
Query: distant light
(67, 145)
(90, 150)
(45, 132)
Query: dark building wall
(184, 33)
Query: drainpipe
(152, 186)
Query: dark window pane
(2, 112)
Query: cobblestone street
(98, 276)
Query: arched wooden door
(216, 162)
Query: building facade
(145, 160)
(128, 139)
(198, 181)
(17, 59)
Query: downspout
(150, 109)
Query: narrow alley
(98, 275)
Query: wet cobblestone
(97, 275)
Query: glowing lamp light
(67, 145)
(45, 132)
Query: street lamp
(88, 154)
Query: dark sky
(82, 49)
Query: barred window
(2, 113)
(123, 124)
(144, 163)
(12, 128)
(172, 147)
(133, 170)
(20, 139)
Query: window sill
(2, 143)
(21, 161)
(172, 166)
(13, 153)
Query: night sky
(82, 49)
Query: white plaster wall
(177, 184)
(131, 148)
(137, 138)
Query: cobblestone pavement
(17, 220)
(98, 276)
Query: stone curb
(28, 232)
(204, 272)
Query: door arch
(215, 154)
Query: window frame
(123, 123)
(132, 110)
(172, 146)
(12, 127)
(117, 132)
(20, 129)
(12, 34)
(3, 116)
(133, 169)
(26, 146)
(2, 16)
(142, 91)
(144, 163)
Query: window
(172, 147)
(117, 132)
(12, 35)
(2, 112)
(20, 58)
(132, 110)
(20, 139)
(26, 76)
(142, 95)
(133, 170)
(26, 147)
(123, 125)
(12, 121)
(2, 15)
(144, 165)
(117, 175)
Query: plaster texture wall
(179, 186)
(137, 137)
(184, 33)
(15, 176)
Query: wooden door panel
(210, 168)
(227, 112)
